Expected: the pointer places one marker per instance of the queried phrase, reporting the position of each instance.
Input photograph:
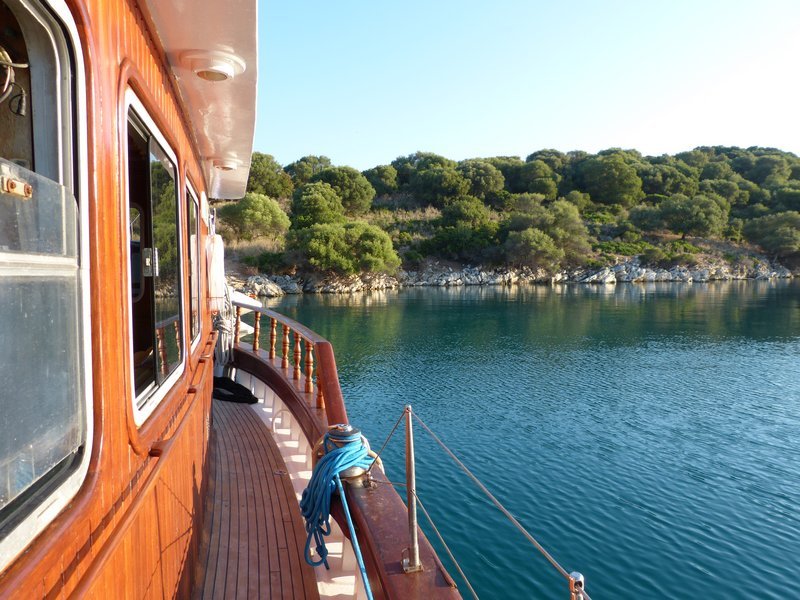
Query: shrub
(354, 190)
(346, 248)
(267, 262)
(534, 248)
(255, 215)
(316, 203)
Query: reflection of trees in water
(481, 322)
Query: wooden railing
(161, 337)
(303, 356)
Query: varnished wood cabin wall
(131, 532)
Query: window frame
(192, 196)
(50, 30)
(145, 403)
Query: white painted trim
(193, 194)
(29, 528)
(153, 396)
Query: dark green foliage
(436, 185)
(554, 159)
(509, 166)
(465, 211)
(786, 199)
(346, 249)
(268, 177)
(267, 262)
(316, 203)
(407, 166)
(666, 180)
(701, 215)
(484, 178)
(646, 217)
(533, 248)
(609, 180)
(383, 178)
(711, 191)
(461, 242)
(302, 170)
(255, 215)
(778, 234)
(624, 248)
(352, 187)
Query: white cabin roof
(216, 39)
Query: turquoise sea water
(648, 436)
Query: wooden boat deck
(253, 535)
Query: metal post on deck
(411, 562)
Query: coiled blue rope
(315, 505)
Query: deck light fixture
(226, 164)
(213, 65)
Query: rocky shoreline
(436, 275)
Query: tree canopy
(352, 187)
(267, 177)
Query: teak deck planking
(253, 535)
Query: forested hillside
(551, 210)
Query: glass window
(193, 210)
(42, 421)
(157, 325)
(45, 380)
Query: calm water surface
(648, 436)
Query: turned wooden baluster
(320, 393)
(177, 327)
(273, 334)
(256, 330)
(237, 327)
(296, 356)
(309, 366)
(285, 357)
(162, 350)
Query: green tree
(408, 166)
(569, 231)
(437, 185)
(255, 215)
(303, 169)
(347, 248)
(554, 159)
(467, 211)
(533, 248)
(509, 166)
(786, 199)
(610, 180)
(778, 234)
(268, 178)
(646, 217)
(383, 178)
(484, 178)
(316, 203)
(700, 215)
(353, 188)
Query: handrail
(378, 511)
(313, 364)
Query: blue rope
(315, 504)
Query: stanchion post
(411, 562)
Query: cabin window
(45, 426)
(155, 263)
(193, 211)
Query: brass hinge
(15, 187)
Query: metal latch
(147, 262)
(15, 187)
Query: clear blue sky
(365, 81)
